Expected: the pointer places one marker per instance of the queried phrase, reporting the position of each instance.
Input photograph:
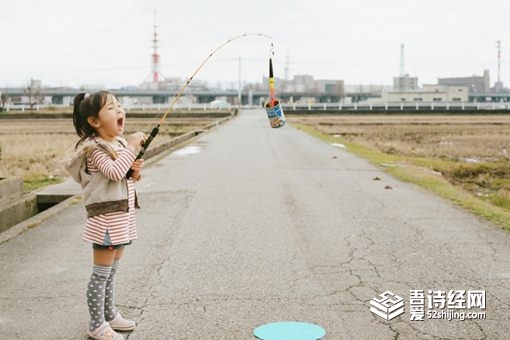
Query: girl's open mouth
(120, 123)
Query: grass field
(462, 158)
(34, 149)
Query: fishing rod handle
(145, 145)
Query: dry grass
(470, 152)
(34, 149)
(459, 138)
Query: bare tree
(33, 92)
(3, 100)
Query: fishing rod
(155, 130)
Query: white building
(405, 83)
(430, 93)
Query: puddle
(471, 160)
(338, 145)
(188, 150)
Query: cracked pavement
(263, 225)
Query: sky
(107, 43)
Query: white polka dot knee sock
(109, 306)
(96, 295)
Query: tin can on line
(275, 114)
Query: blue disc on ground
(289, 331)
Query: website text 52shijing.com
(455, 315)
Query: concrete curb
(68, 115)
(159, 151)
(17, 210)
(35, 220)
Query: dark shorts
(110, 247)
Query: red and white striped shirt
(115, 227)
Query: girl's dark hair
(85, 106)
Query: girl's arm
(137, 168)
(114, 170)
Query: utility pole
(287, 70)
(402, 81)
(239, 89)
(498, 84)
(402, 67)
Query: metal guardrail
(402, 106)
(137, 107)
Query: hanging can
(275, 114)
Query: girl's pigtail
(76, 113)
(81, 125)
(85, 106)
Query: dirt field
(472, 152)
(34, 149)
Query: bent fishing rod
(155, 130)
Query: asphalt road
(250, 225)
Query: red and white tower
(155, 55)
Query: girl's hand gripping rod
(145, 145)
(155, 131)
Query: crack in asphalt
(159, 264)
(360, 247)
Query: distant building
(476, 84)
(405, 83)
(330, 86)
(499, 87)
(307, 84)
(301, 83)
(304, 88)
(430, 93)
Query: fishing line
(155, 130)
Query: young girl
(100, 164)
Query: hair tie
(86, 96)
